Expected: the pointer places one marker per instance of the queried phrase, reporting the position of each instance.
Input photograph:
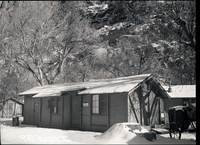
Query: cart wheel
(175, 131)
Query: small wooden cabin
(95, 105)
(180, 95)
(11, 107)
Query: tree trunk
(14, 109)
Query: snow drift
(124, 132)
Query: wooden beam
(90, 111)
(159, 111)
(40, 110)
(50, 111)
(81, 113)
(154, 111)
(108, 111)
(141, 105)
(70, 110)
(62, 111)
(133, 108)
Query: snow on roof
(116, 85)
(112, 88)
(182, 91)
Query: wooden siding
(75, 110)
(170, 103)
(45, 112)
(28, 110)
(66, 113)
(36, 111)
(56, 119)
(86, 112)
(118, 108)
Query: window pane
(95, 104)
(103, 104)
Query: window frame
(102, 104)
(56, 103)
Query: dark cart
(180, 118)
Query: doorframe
(39, 110)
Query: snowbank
(133, 133)
(123, 133)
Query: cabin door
(36, 111)
(75, 111)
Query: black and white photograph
(98, 72)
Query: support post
(159, 111)
(62, 111)
(108, 111)
(81, 113)
(40, 110)
(141, 105)
(133, 108)
(90, 111)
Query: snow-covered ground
(117, 134)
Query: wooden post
(133, 109)
(149, 104)
(148, 111)
(70, 110)
(141, 105)
(62, 110)
(81, 113)
(2, 108)
(50, 111)
(108, 111)
(14, 109)
(40, 110)
(90, 111)
(159, 111)
(154, 109)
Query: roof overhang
(115, 85)
(181, 91)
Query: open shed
(11, 107)
(180, 95)
(95, 105)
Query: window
(95, 104)
(55, 105)
(99, 104)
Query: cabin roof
(181, 91)
(115, 85)
(13, 99)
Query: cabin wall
(45, 112)
(118, 108)
(56, 118)
(99, 121)
(75, 110)
(86, 112)
(66, 111)
(28, 110)
(170, 103)
(116, 112)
